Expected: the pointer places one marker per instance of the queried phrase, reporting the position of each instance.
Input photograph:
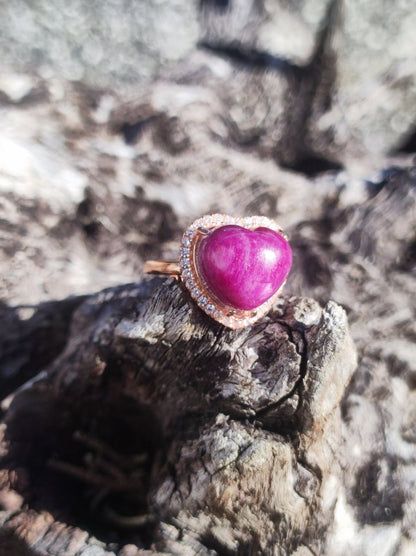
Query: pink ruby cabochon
(244, 268)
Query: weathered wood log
(156, 430)
(157, 418)
(240, 428)
(32, 337)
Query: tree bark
(134, 424)
(238, 430)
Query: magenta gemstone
(244, 268)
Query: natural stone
(244, 268)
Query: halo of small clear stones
(219, 312)
(202, 301)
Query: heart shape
(234, 268)
(244, 268)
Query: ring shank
(162, 267)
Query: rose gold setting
(226, 315)
(162, 267)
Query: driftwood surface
(132, 423)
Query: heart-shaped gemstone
(244, 268)
(232, 265)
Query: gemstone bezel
(199, 290)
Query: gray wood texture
(133, 424)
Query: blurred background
(124, 43)
(122, 121)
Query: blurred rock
(377, 72)
(373, 102)
(101, 43)
(124, 44)
(95, 180)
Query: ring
(234, 268)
